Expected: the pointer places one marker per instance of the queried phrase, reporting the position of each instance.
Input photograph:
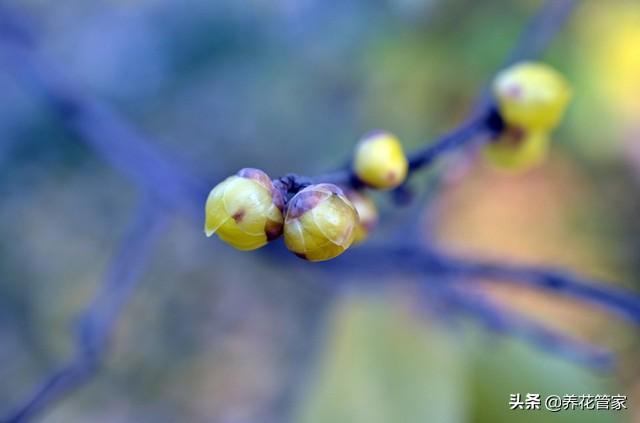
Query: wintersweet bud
(367, 212)
(320, 223)
(245, 210)
(532, 96)
(379, 161)
(516, 149)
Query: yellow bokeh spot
(610, 33)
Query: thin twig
(541, 30)
(444, 276)
(506, 322)
(455, 139)
(618, 301)
(415, 260)
(99, 319)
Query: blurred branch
(414, 260)
(97, 322)
(103, 129)
(541, 31)
(618, 301)
(506, 322)
(486, 122)
(444, 276)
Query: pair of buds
(532, 98)
(319, 222)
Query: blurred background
(215, 335)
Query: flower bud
(379, 161)
(245, 210)
(531, 95)
(367, 213)
(320, 223)
(516, 149)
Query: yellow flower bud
(320, 223)
(516, 149)
(245, 210)
(379, 161)
(531, 95)
(367, 212)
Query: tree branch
(414, 260)
(100, 127)
(541, 31)
(97, 322)
(505, 322)
(618, 301)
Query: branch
(506, 322)
(97, 322)
(444, 277)
(541, 31)
(414, 260)
(486, 122)
(101, 128)
(618, 301)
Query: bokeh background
(215, 335)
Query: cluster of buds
(320, 221)
(532, 98)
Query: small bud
(516, 149)
(245, 210)
(379, 161)
(367, 212)
(531, 95)
(320, 223)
